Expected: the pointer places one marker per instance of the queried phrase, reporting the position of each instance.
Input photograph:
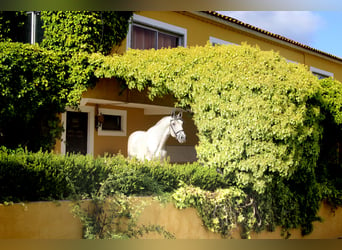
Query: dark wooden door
(77, 132)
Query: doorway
(76, 132)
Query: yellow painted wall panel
(54, 220)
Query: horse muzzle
(181, 137)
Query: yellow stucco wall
(39, 220)
(53, 220)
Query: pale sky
(321, 30)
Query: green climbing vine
(84, 31)
(260, 122)
(37, 82)
(112, 215)
(268, 127)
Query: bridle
(176, 132)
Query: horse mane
(162, 119)
(159, 122)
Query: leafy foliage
(12, 26)
(32, 80)
(112, 215)
(84, 31)
(52, 176)
(221, 210)
(259, 120)
(332, 98)
(329, 171)
(254, 119)
(38, 83)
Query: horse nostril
(182, 138)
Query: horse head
(176, 127)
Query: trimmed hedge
(27, 176)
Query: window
(147, 38)
(321, 73)
(147, 33)
(112, 122)
(34, 30)
(217, 41)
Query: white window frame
(91, 127)
(214, 40)
(116, 112)
(33, 26)
(321, 72)
(291, 61)
(150, 23)
(33, 30)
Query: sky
(321, 30)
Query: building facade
(108, 114)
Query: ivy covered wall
(37, 82)
(260, 124)
(265, 126)
(84, 31)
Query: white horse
(150, 144)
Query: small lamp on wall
(99, 118)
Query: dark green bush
(329, 165)
(27, 176)
(31, 84)
(31, 176)
(12, 26)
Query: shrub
(259, 120)
(36, 84)
(32, 80)
(28, 176)
(329, 170)
(12, 26)
(31, 176)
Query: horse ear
(173, 114)
(180, 114)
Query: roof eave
(236, 24)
